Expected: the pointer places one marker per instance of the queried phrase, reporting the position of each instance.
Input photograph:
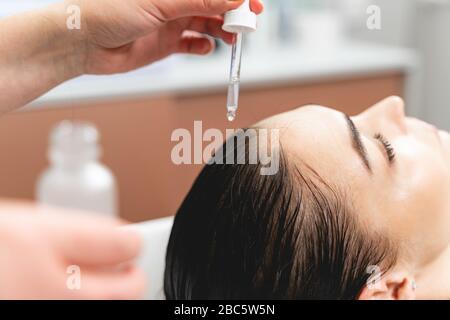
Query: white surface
(10, 7)
(198, 75)
(156, 235)
(433, 42)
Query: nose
(389, 113)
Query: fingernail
(206, 48)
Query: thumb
(173, 9)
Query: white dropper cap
(240, 20)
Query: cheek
(421, 189)
(419, 172)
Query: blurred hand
(37, 246)
(124, 35)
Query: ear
(395, 285)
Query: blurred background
(305, 51)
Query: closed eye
(390, 151)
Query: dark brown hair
(241, 235)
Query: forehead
(319, 137)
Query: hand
(37, 245)
(125, 35)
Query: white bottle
(76, 179)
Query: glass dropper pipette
(239, 21)
(235, 78)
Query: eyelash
(387, 146)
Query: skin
(37, 53)
(407, 200)
(38, 244)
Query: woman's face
(395, 169)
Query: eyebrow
(357, 143)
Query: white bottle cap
(240, 20)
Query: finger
(256, 6)
(211, 26)
(195, 43)
(94, 242)
(126, 285)
(105, 247)
(170, 10)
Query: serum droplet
(231, 115)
